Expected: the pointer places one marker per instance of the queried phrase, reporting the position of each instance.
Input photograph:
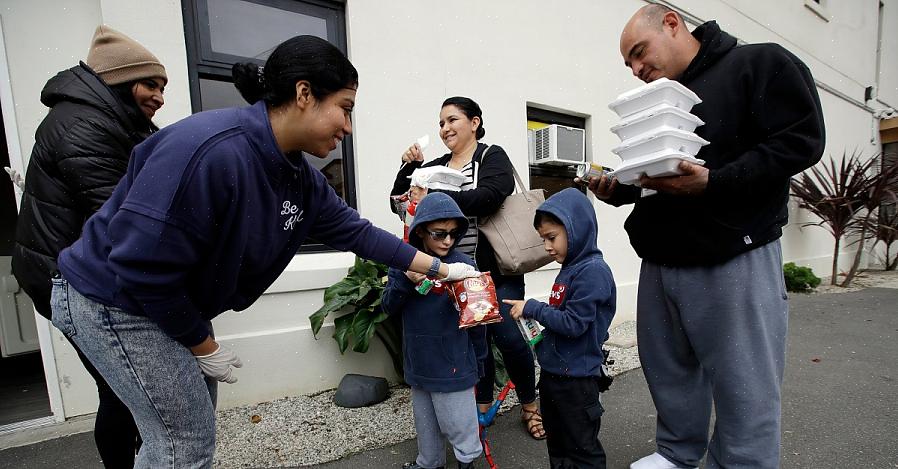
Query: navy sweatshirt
(583, 299)
(207, 216)
(437, 355)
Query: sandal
(533, 422)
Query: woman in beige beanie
(98, 112)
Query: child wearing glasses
(576, 319)
(441, 362)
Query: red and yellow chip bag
(476, 301)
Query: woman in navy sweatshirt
(440, 361)
(209, 213)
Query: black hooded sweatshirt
(80, 152)
(765, 124)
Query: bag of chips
(476, 301)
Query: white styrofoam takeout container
(438, 177)
(663, 139)
(659, 164)
(656, 117)
(652, 94)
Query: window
(552, 178)
(220, 33)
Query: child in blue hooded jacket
(441, 361)
(576, 319)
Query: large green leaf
(333, 305)
(347, 287)
(364, 327)
(342, 328)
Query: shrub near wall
(799, 279)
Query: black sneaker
(466, 465)
(414, 465)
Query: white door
(18, 331)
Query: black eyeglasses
(441, 235)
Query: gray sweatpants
(453, 414)
(716, 333)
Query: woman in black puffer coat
(98, 112)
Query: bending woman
(209, 213)
(489, 180)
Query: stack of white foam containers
(656, 129)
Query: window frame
(205, 64)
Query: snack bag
(400, 205)
(531, 329)
(406, 209)
(476, 301)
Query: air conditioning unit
(557, 145)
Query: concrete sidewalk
(840, 401)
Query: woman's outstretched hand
(459, 271)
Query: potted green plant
(358, 296)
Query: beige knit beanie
(119, 59)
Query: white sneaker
(654, 461)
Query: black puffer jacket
(80, 152)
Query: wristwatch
(434, 268)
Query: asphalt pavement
(840, 401)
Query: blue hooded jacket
(437, 355)
(583, 299)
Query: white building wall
(412, 54)
(888, 69)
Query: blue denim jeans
(155, 376)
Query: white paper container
(662, 116)
(652, 94)
(655, 165)
(661, 140)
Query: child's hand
(415, 277)
(517, 308)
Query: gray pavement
(840, 401)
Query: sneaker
(654, 461)
(466, 465)
(414, 465)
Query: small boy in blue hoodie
(441, 361)
(576, 319)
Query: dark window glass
(220, 33)
(234, 27)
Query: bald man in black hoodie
(712, 312)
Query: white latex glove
(459, 271)
(16, 178)
(218, 364)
